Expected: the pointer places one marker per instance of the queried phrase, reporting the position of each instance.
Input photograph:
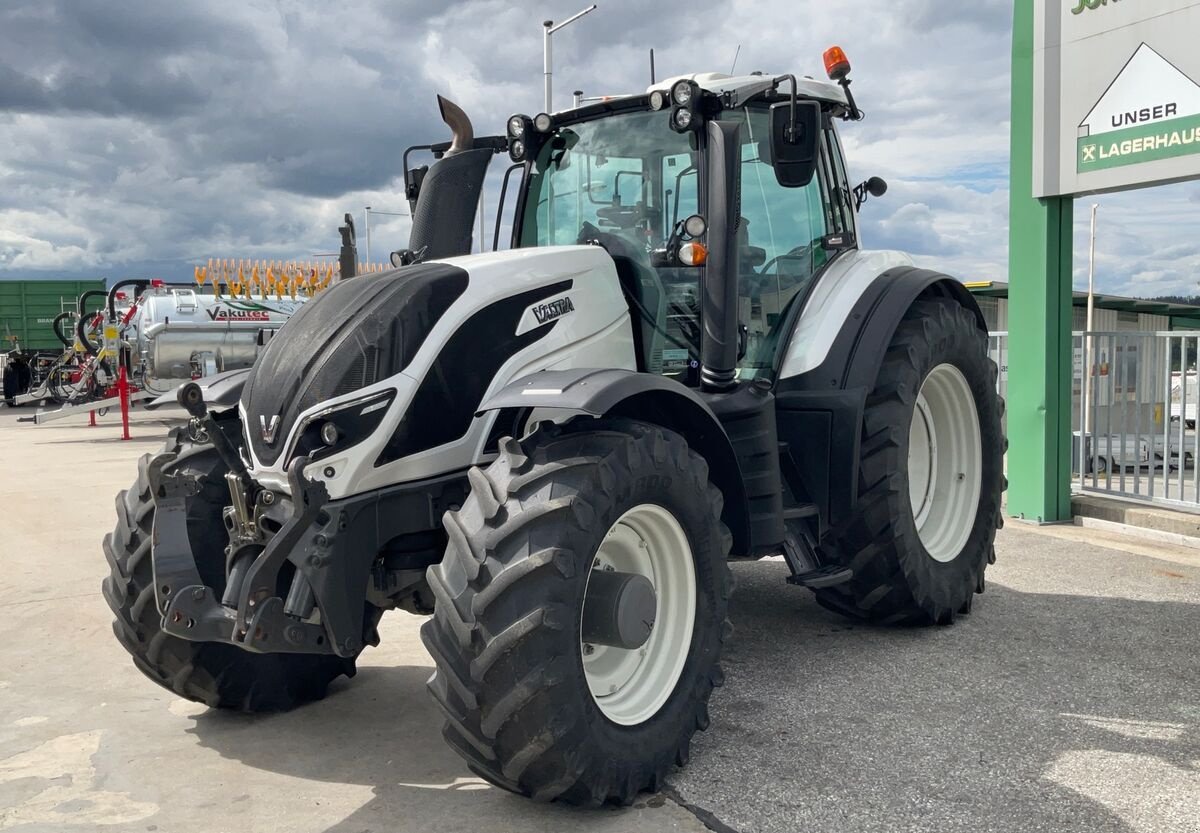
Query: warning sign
(1150, 111)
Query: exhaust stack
(461, 132)
(719, 316)
(444, 217)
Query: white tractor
(685, 357)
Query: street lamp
(1088, 347)
(367, 230)
(548, 29)
(367, 212)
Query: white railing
(998, 352)
(1136, 438)
(1134, 415)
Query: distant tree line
(1194, 300)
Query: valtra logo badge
(553, 309)
(268, 429)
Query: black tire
(505, 635)
(10, 387)
(895, 578)
(218, 675)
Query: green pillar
(1039, 314)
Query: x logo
(1089, 153)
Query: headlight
(658, 100)
(681, 119)
(543, 123)
(695, 226)
(683, 92)
(329, 433)
(516, 150)
(516, 127)
(338, 428)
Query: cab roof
(719, 82)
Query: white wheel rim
(945, 462)
(630, 686)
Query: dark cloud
(986, 16)
(158, 96)
(140, 137)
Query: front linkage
(290, 556)
(249, 614)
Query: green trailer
(28, 306)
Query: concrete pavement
(1069, 700)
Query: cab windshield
(623, 181)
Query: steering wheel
(615, 244)
(802, 252)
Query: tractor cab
(641, 176)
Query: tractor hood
(400, 361)
(350, 336)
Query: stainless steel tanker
(181, 333)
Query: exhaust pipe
(462, 134)
(719, 316)
(444, 217)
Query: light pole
(1085, 388)
(548, 29)
(367, 231)
(367, 212)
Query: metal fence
(1133, 416)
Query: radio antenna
(652, 67)
(735, 57)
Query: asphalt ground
(1069, 700)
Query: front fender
(645, 397)
(221, 390)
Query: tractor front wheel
(580, 611)
(216, 674)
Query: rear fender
(853, 358)
(821, 409)
(646, 397)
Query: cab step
(800, 553)
(826, 576)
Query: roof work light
(685, 114)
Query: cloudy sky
(139, 138)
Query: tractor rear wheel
(216, 674)
(929, 475)
(580, 611)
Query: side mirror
(875, 187)
(413, 180)
(794, 152)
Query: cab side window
(780, 232)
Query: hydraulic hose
(83, 299)
(139, 283)
(81, 328)
(56, 325)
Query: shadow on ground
(1037, 712)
